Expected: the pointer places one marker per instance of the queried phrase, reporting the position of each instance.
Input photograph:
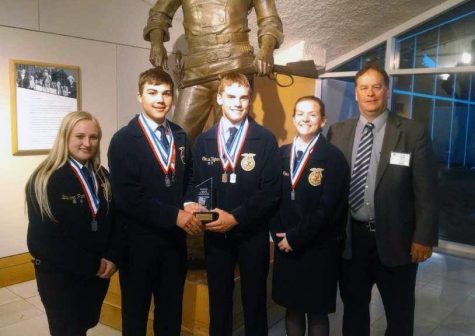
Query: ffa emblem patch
(247, 162)
(315, 177)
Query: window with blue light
(446, 104)
(374, 56)
(437, 89)
(445, 42)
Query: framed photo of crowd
(41, 95)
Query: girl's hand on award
(188, 222)
(283, 244)
(224, 223)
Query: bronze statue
(217, 33)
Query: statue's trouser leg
(196, 108)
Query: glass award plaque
(205, 197)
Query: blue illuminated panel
(440, 43)
(445, 104)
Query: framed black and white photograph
(41, 95)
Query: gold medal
(224, 178)
(247, 162)
(315, 177)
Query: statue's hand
(158, 53)
(158, 56)
(264, 60)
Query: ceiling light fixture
(466, 58)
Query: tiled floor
(445, 301)
(445, 304)
(22, 313)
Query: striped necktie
(360, 169)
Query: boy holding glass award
(151, 169)
(242, 159)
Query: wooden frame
(41, 95)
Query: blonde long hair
(37, 184)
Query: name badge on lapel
(400, 159)
(74, 199)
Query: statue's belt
(214, 39)
(209, 57)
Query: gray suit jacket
(405, 197)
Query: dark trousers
(72, 304)
(395, 284)
(158, 270)
(252, 256)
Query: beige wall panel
(130, 63)
(98, 89)
(273, 105)
(117, 21)
(19, 13)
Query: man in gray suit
(392, 211)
